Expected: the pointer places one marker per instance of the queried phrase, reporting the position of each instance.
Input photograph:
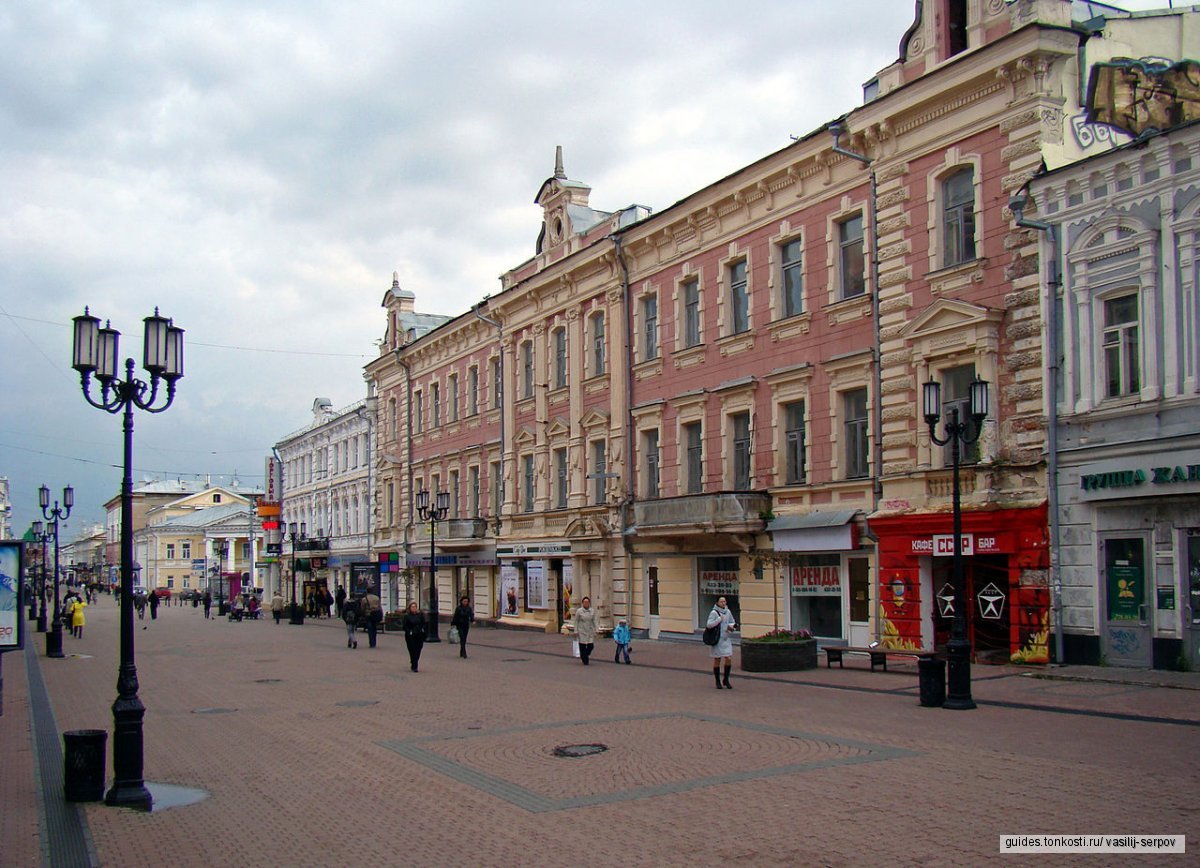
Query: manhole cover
(213, 710)
(358, 703)
(576, 750)
(267, 680)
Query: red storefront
(1006, 560)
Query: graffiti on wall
(1140, 96)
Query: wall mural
(1141, 96)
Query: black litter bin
(83, 764)
(931, 673)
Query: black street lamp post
(958, 433)
(40, 593)
(294, 536)
(95, 351)
(53, 515)
(222, 551)
(433, 514)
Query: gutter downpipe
(500, 355)
(836, 129)
(1054, 281)
(630, 462)
(408, 525)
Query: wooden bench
(879, 655)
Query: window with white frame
(691, 312)
(472, 390)
(793, 443)
(958, 217)
(739, 298)
(527, 482)
(419, 410)
(455, 493)
(854, 427)
(599, 346)
(693, 437)
(170, 551)
(527, 369)
(740, 452)
(851, 262)
(497, 384)
(560, 478)
(185, 549)
(650, 450)
(497, 483)
(956, 400)
(791, 277)
(649, 327)
(435, 391)
(560, 358)
(473, 481)
(452, 405)
(1122, 369)
(599, 471)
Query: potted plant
(780, 651)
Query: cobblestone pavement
(315, 754)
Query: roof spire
(395, 280)
(559, 172)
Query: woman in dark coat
(414, 634)
(463, 618)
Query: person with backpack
(372, 610)
(722, 652)
(350, 616)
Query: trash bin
(83, 764)
(931, 673)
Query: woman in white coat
(722, 652)
(585, 629)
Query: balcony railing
(730, 512)
(455, 528)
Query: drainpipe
(1017, 205)
(408, 525)
(500, 342)
(630, 462)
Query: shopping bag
(452, 636)
(575, 647)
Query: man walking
(372, 609)
(277, 605)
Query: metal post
(958, 649)
(433, 591)
(41, 589)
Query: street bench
(879, 655)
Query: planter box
(779, 656)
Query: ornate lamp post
(40, 594)
(95, 351)
(433, 514)
(221, 550)
(53, 515)
(958, 432)
(294, 536)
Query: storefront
(458, 573)
(1131, 530)
(1006, 576)
(537, 584)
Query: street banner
(364, 578)
(508, 587)
(535, 585)
(12, 595)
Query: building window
(419, 411)
(598, 344)
(850, 258)
(691, 313)
(560, 358)
(1122, 372)
(560, 478)
(957, 27)
(216, 498)
(527, 482)
(455, 493)
(497, 489)
(854, 413)
(497, 384)
(436, 400)
(649, 327)
(739, 299)
(527, 369)
(391, 504)
(958, 218)
(453, 406)
(650, 448)
(185, 550)
(694, 438)
(794, 442)
(956, 396)
(392, 432)
(740, 433)
(792, 278)
(170, 551)
(473, 481)
(599, 471)
(472, 390)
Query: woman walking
(350, 616)
(585, 629)
(463, 618)
(414, 634)
(722, 652)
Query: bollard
(931, 673)
(83, 764)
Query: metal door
(1127, 629)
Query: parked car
(163, 593)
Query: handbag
(452, 636)
(712, 635)
(575, 647)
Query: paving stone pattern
(332, 756)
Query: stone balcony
(737, 513)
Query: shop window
(1122, 372)
(850, 257)
(792, 279)
(816, 594)
(691, 312)
(694, 438)
(717, 577)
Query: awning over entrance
(817, 531)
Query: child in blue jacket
(622, 638)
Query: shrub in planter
(780, 651)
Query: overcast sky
(258, 170)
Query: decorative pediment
(594, 419)
(558, 427)
(948, 314)
(525, 437)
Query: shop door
(652, 582)
(987, 593)
(1127, 613)
(859, 573)
(1191, 597)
